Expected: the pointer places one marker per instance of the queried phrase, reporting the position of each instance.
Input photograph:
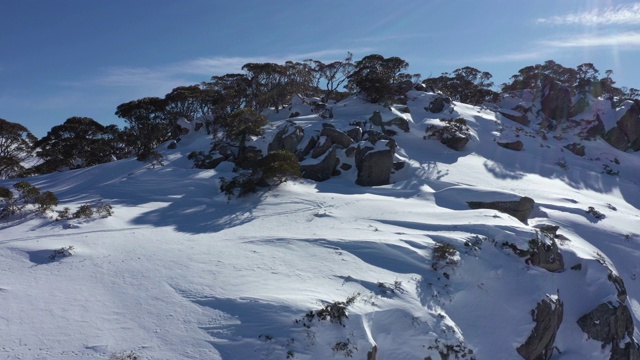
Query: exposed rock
(520, 209)
(322, 170)
(575, 148)
(630, 351)
(172, 145)
(520, 119)
(629, 123)
(323, 144)
(311, 144)
(398, 165)
(608, 322)
(454, 134)
(619, 284)
(374, 136)
(548, 316)
(288, 138)
(376, 118)
(374, 166)
(327, 125)
(371, 355)
(556, 100)
(345, 166)
(420, 87)
(617, 138)
(400, 122)
(513, 145)
(594, 128)
(337, 137)
(437, 104)
(547, 256)
(403, 109)
(355, 133)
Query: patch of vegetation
(84, 211)
(61, 253)
(335, 312)
(25, 196)
(595, 213)
(457, 351)
(386, 288)
(345, 347)
(125, 355)
(606, 169)
(444, 255)
(204, 161)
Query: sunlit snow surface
(181, 272)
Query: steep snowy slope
(323, 270)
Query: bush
(444, 255)
(126, 355)
(62, 252)
(84, 211)
(27, 193)
(278, 166)
(104, 210)
(64, 214)
(46, 201)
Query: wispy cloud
(624, 39)
(620, 15)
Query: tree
(468, 85)
(378, 78)
(148, 125)
(183, 101)
(15, 148)
(334, 75)
(79, 142)
(243, 123)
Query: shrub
(46, 201)
(444, 255)
(64, 214)
(27, 193)
(104, 210)
(335, 312)
(278, 166)
(62, 252)
(84, 211)
(595, 213)
(125, 355)
(202, 160)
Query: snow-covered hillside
(331, 269)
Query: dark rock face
(337, 137)
(548, 316)
(548, 257)
(287, 138)
(608, 322)
(437, 104)
(520, 119)
(626, 134)
(374, 167)
(322, 146)
(520, 209)
(355, 133)
(556, 101)
(172, 145)
(454, 134)
(513, 145)
(324, 169)
(594, 129)
(371, 355)
(576, 149)
(400, 122)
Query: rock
(398, 165)
(400, 122)
(172, 145)
(322, 170)
(403, 109)
(548, 316)
(575, 148)
(337, 137)
(594, 128)
(619, 284)
(420, 87)
(437, 104)
(323, 144)
(608, 322)
(345, 166)
(630, 351)
(629, 123)
(311, 144)
(355, 133)
(376, 118)
(454, 134)
(617, 138)
(371, 355)
(513, 145)
(520, 209)
(548, 257)
(374, 166)
(288, 138)
(520, 119)
(556, 100)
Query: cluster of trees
(230, 106)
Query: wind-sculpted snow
(179, 271)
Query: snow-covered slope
(181, 272)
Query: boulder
(594, 128)
(520, 119)
(374, 165)
(288, 138)
(355, 133)
(608, 322)
(172, 145)
(575, 148)
(454, 133)
(323, 169)
(438, 104)
(629, 123)
(520, 209)
(371, 355)
(376, 118)
(513, 145)
(547, 315)
(547, 256)
(556, 100)
(399, 122)
(617, 138)
(323, 144)
(337, 137)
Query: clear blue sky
(63, 58)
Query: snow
(181, 272)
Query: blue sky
(63, 58)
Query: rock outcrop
(609, 323)
(374, 164)
(555, 102)
(547, 315)
(626, 134)
(323, 169)
(288, 138)
(512, 145)
(520, 209)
